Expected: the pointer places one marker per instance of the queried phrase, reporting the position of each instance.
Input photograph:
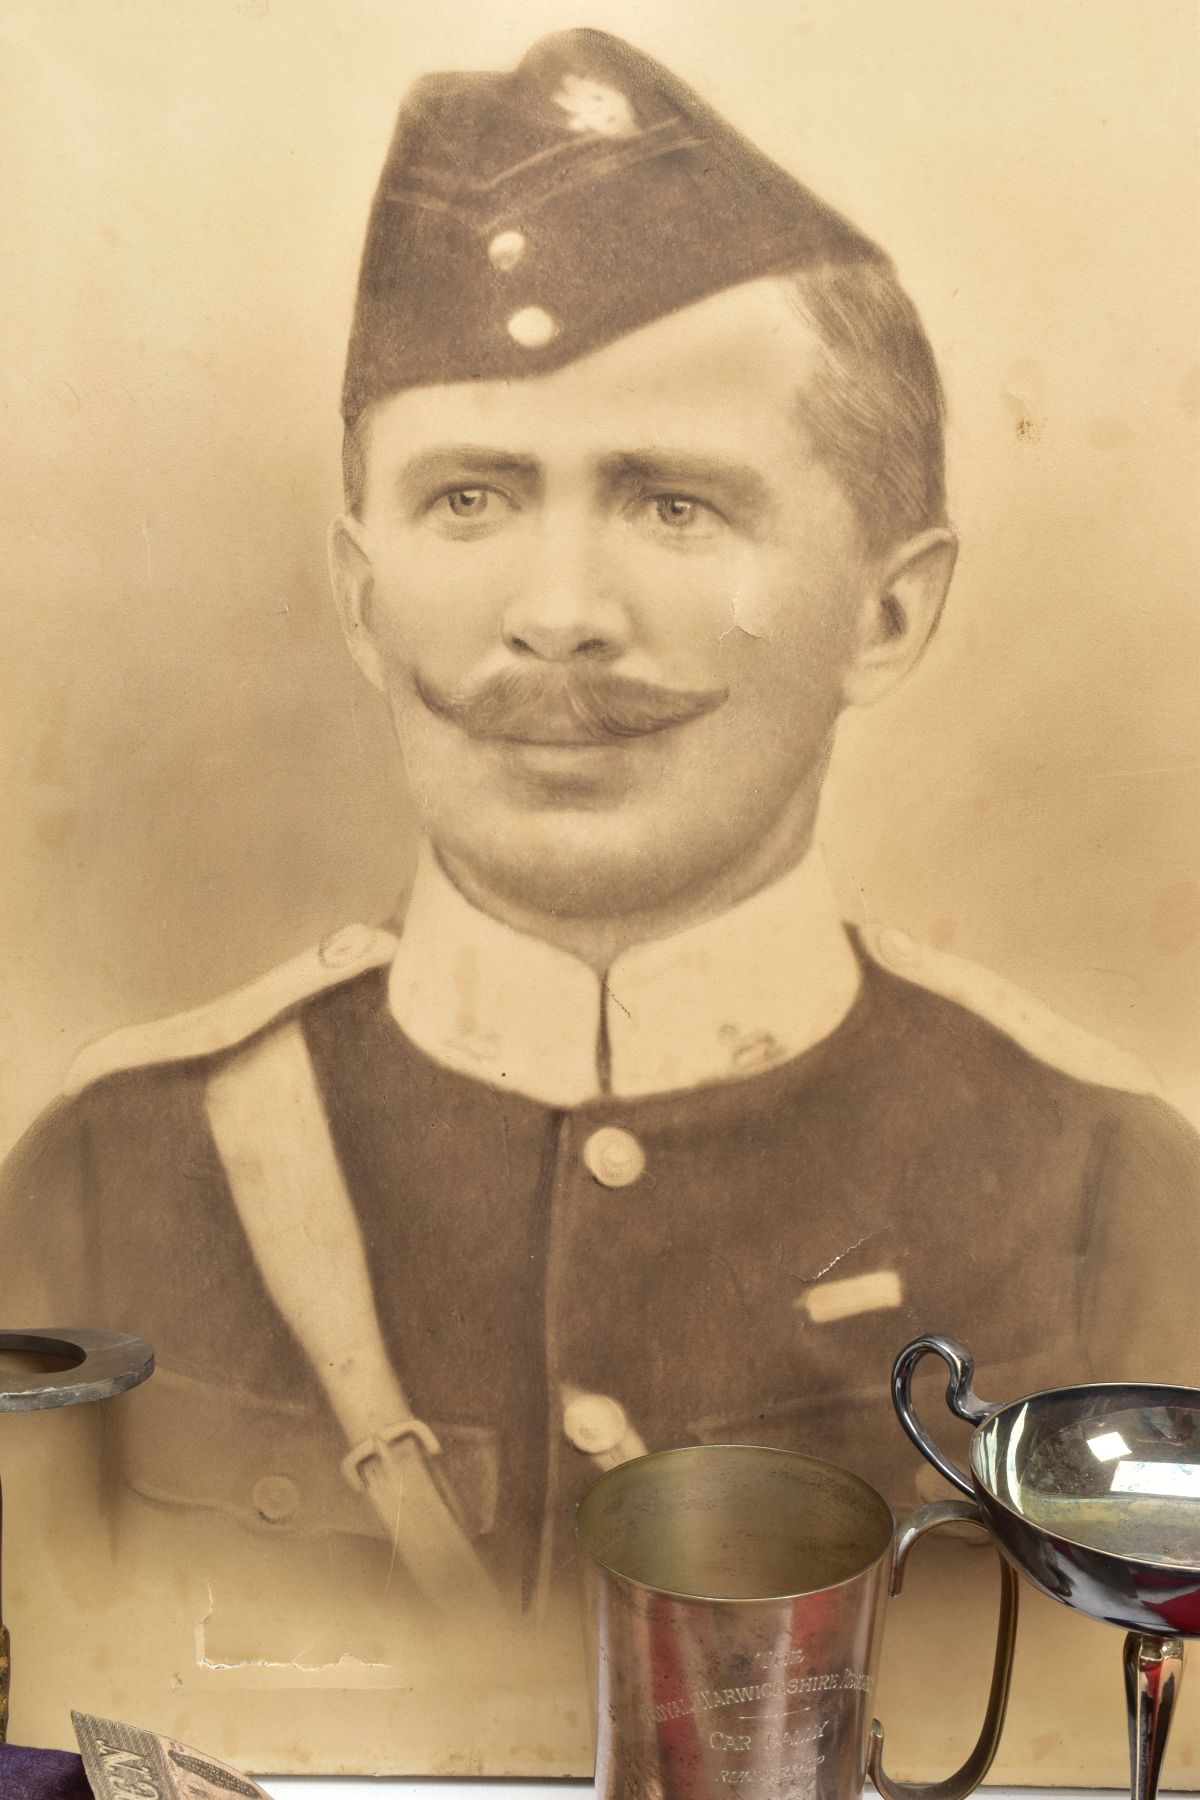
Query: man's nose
(564, 607)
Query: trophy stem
(1153, 1671)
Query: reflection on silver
(1010, 1454)
(1108, 1446)
(1170, 1481)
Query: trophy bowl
(1093, 1494)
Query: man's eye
(681, 516)
(468, 511)
(467, 502)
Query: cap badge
(592, 106)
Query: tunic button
(595, 1423)
(341, 948)
(276, 1498)
(533, 328)
(506, 250)
(614, 1157)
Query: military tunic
(558, 1285)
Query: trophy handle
(959, 1398)
(965, 1780)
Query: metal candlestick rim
(100, 1365)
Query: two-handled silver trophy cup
(1093, 1494)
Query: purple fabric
(42, 1774)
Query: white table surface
(323, 1787)
(320, 1787)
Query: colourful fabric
(27, 1774)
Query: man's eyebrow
(746, 485)
(445, 461)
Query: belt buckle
(378, 1446)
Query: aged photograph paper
(600, 746)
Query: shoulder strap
(1028, 1021)
(221, 1024)
(268, 1121)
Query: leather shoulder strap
(268, 1121)
(222, 1024)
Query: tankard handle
(965, 1780)
(963, 1403)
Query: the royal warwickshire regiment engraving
(805, 1732)
(702, 1700)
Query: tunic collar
(723, 1000)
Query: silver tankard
(737, 1595)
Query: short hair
(874, 409)
(355, 444)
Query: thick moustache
(527, 706)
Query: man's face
(613, 610)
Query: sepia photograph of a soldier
(629, 1113)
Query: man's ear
(351, 578)
(900, 614)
